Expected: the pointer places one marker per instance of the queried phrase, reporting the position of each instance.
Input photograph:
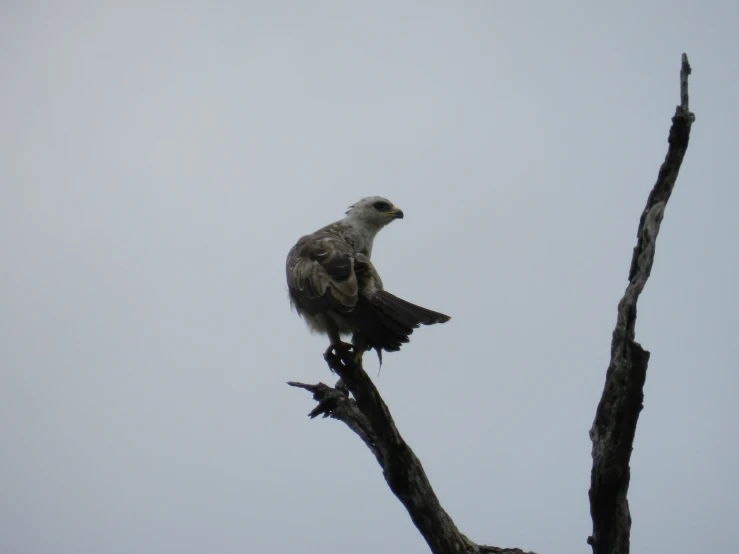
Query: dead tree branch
(367, 415)
(617, 414)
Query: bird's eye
(381, 206)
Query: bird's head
(374, 212)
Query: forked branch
(615, 422)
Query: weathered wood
(617, 414)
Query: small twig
(685, 70)
(615, 422)
(335, 403)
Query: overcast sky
(159, 159)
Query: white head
(374, 212)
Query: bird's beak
(397, 213)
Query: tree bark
(356, 401)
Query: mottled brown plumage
(335, 287)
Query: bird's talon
(340, 350)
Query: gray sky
(159, 159)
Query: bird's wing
(320, 274)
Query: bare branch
(369, 417)
(617, 414)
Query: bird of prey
(336, 289)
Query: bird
(334, 286)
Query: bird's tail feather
(386, 321)
(402, 310)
